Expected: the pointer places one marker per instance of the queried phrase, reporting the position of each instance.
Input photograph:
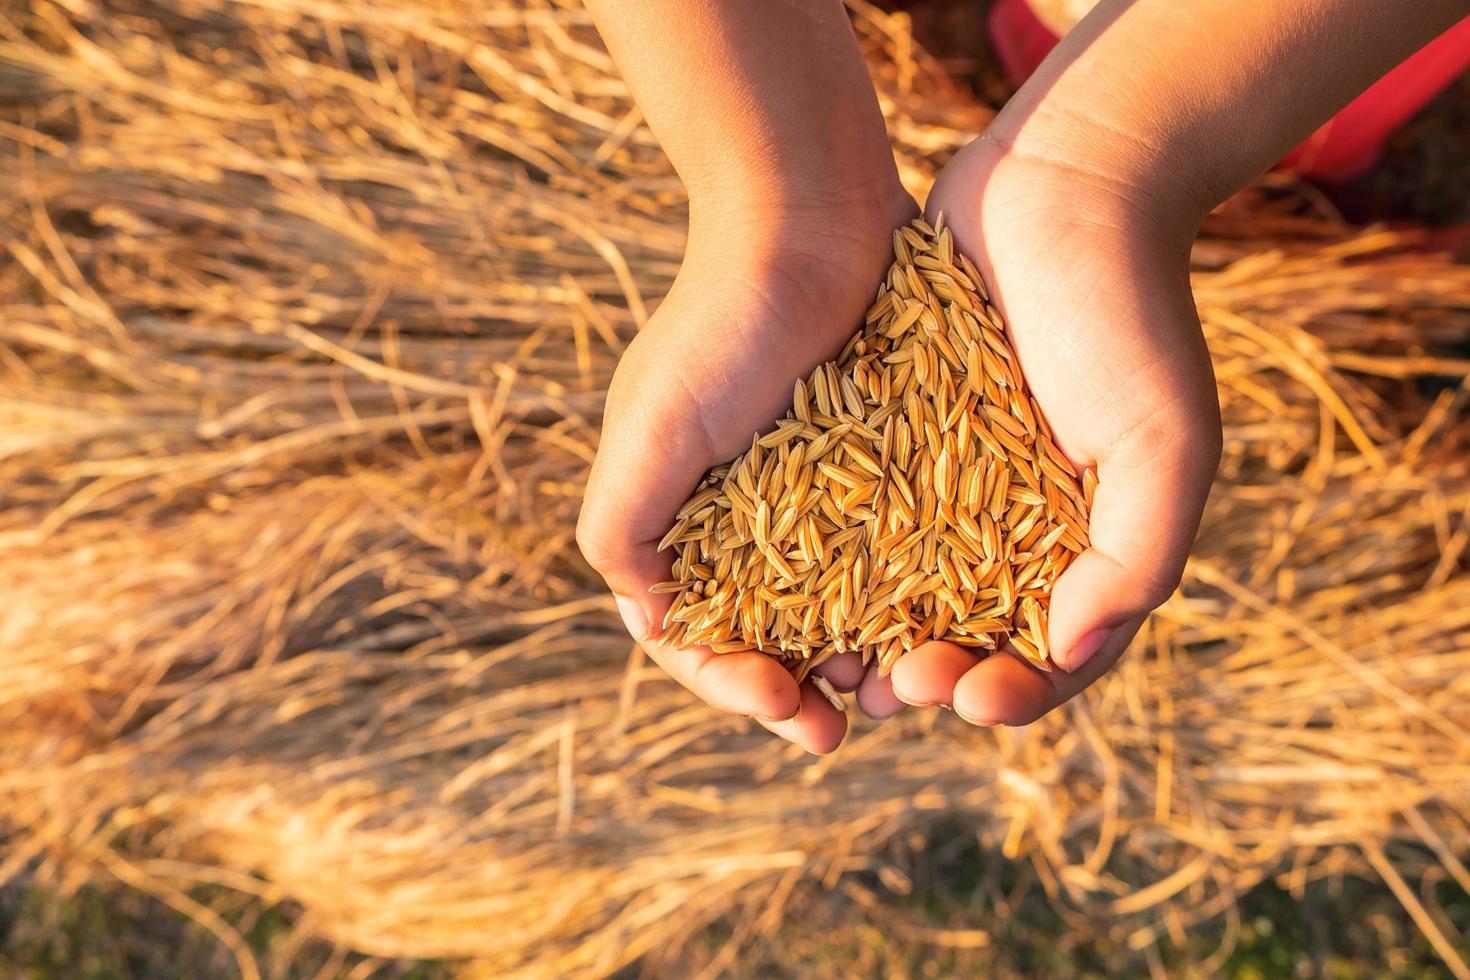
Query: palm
(1068, 268)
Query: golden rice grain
(825, 688)
(913, 492)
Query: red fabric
(1345, 147)
(1350, 142)
(1021, 40)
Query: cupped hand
(1092, 277)
(763, 296)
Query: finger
(739, 683)
(1007, 690)
(632, 495)
(844, 671)
(818, 727)
(876, 698)
(927, 674)
(1150, 494)
(1003, 690)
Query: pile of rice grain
(913, 492)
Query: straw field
(306, 314)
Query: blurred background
(306, 313)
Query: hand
(1092, 278)
(763, 296)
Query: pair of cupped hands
(1092, 278)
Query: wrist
(758, 201)
(1088, 175)
(844, 221)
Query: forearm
(1189, 101)
(759, 104)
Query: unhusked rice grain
(913, 492)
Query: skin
(1091, 183)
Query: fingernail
(977, 722)
(635, 620)
(1085, 648)
(908, 700)
(773, 719)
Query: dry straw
(306, 315)
(913, 492)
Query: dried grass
(304, 327)
(913, 492)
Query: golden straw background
(306, 314)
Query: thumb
(653, 452)
(1151, 490)
(651, 456)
